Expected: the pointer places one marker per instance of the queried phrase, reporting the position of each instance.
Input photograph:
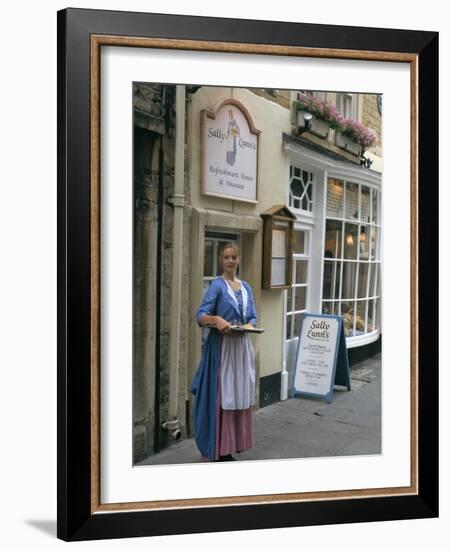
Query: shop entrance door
(296, 298)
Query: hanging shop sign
(229, 153)
(322, 360)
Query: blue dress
(217, 301)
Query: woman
(233, 132)
(224, 384)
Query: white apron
(237, 373)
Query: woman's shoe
(226, 458)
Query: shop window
(300, 189)
(351, 256)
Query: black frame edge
(194, 27)
(428, 199)
(74, 384)
(251, 517)
(61, 279)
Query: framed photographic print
(195, 155)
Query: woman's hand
(222, 325)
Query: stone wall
(371, 116)
(280, 97)
(153, 125)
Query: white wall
(28, 275)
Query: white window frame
(347, 105)
(292, 197)
(372, 300)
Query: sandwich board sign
(321, 360)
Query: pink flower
(353, 129)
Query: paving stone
(306, 404)
(309, 427)
(284, 412)
(268, 452)
(360, 446)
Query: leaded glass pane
(360, 327)
(371, 314)
(299, 242)
(364, 242)
(333, 239)
(351, 201)
(331, 280)
(351, 241)
(300, 298)
(365, 205)
(309, 192)
(296, 187)
(335, 198)
(301, 271)
(349, 280)
(373, 271)
(296, 325)
(373, 243)
(374, 206)
(330, 308)
(300, 191)
(363, 276)
(289, 326)
(289, 299)
(348, 314)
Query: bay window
(351, 256)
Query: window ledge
(364, 339)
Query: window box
(318, 127)
(343, 142)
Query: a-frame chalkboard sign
(321, 361)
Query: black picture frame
(76, 476)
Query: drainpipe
(172, 424)
(156, 435)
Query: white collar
(233, 296)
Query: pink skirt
(234, 428)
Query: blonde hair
(232, 245)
